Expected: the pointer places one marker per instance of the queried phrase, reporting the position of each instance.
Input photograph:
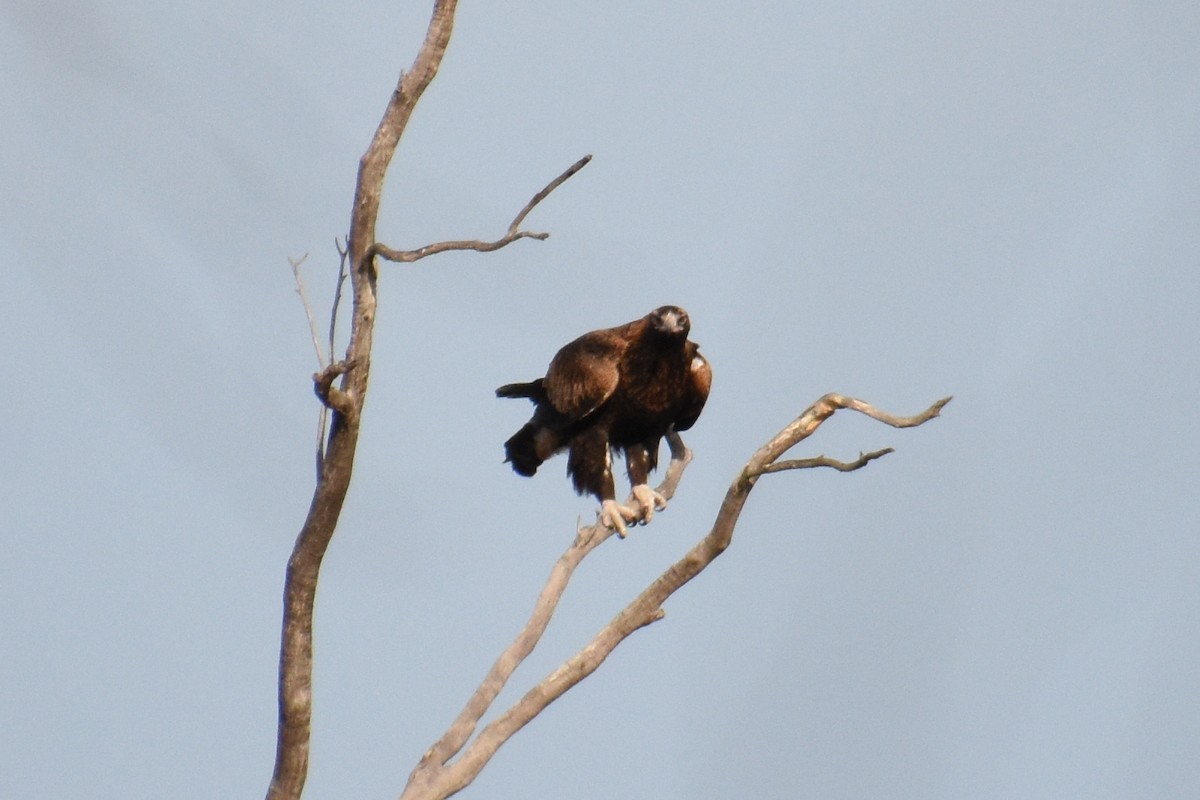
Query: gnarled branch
(330, 396)
(511, 235)
(437, 777)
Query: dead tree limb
(437, 776)
(345, 403)
(300, 583)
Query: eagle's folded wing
(696, 392)
(585, 373)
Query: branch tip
(820, 461)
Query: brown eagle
(621, 388)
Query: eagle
(614, 389)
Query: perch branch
(431, 766)
(429, 782)
(511, 235)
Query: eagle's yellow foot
(648, 502)
(616, 516)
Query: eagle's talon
(615, 516)
(648, 502)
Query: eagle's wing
(585, 373)
(696, 391)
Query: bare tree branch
(823, 461)
(436, 777)
(512, 235)
(832, 402)
(540, 196)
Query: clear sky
(894, 201)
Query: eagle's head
(670, 321)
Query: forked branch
(437, 776)
(430, 767)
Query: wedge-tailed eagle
(621, 388)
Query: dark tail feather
(521, 450)
(533, 390)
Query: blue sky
(893, 201)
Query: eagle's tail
(521, 450)
(533, 390)
(529, 447)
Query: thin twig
(510, 236)
(323, 418)
(343, 256)
(312, 323)
(312, 327)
